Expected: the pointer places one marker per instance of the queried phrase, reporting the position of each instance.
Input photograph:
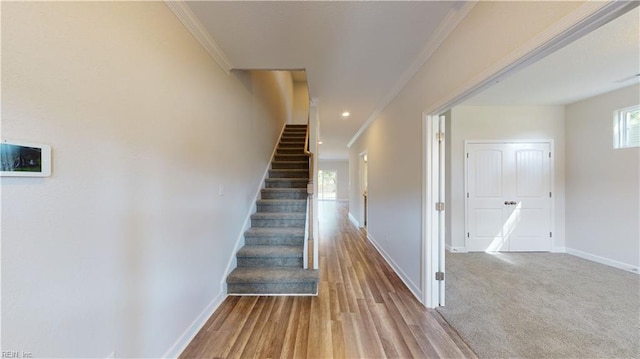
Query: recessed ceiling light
(346, 114)
(319, 142)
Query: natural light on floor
(502, 237)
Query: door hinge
(440, 136)
(439, 275)
(467, 194)
(549, 154)
(467, 234)
(467, 155)
(439, 206)
(550, 234)
(549, 194)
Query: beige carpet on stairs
(542, 305)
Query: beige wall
(502, 123)
(603, 183)
(342, 174)
(127, 243)
(300, 103)
(490, 32)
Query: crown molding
(450, 22)
(180, 9)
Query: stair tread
(272, 275)
(290, 170)
(264, 251)
(280, 201)
(285, 189)
(274, 231)
(278, 215)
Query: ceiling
(606, 59)
(356, 54)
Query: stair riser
(295, 139)
(288, 174)
(287, 151)
(273, 241)
(279, 222)
(293, 183)
(282, 208)
(261, 288)
(289, 165)
(291, 144)
(269, 261)
(295, 158)
(284, 195)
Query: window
(327, 185)
(626, 127)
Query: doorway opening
(327, 185)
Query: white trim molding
(413, 288)
(456, 249)
(603, 260)
(187, 336)
(581, 21)
(453, 18)
(180, 9)
(354, 220)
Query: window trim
(620, 136)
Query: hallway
(363, 310)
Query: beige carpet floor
(542, 305)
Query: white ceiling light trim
(454, 17)
(189, 20)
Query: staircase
(271, 262)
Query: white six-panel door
(508, 206)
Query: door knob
(513, 203)
(506, 203)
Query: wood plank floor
(363, 310)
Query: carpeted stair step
(275, 219)
(274, 236)
(292, 139)
(278, 165)
(282, 205)
(286, 182)
(289, 150)
(296, 158)
(291, 145)
(284, 193)
(248, 280)
(289, 173)
(270, 256)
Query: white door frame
(433, 228)
(361, 179)
(552, 211)
(583, 20)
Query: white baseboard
(183, 341)
(453, 249)
(354, 220)
(558, 250)
(414, 289)
(603, 260)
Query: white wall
(603, 184)
(490, 32)
(502, 123)
(342, 169)
(300, 103)
(126, 244)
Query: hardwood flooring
(363, 310)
